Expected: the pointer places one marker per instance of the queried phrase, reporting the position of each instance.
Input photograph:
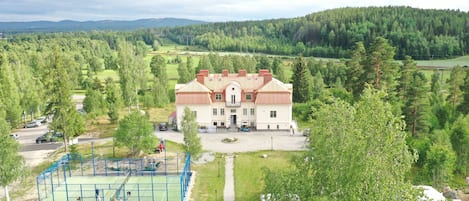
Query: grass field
(462, 61)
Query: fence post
(69, 166)
(38, 191)
(105, 167)
(52, 185)
(152, 187)
(45, 184)
(65, 180)
(92, 156)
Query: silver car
(33, 124)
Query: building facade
(233, 100)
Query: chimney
(263, 71)
(224, 72)
(242, 73)
(200, 78)
(204, 72)
(267, 77)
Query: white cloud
(208, 10)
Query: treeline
(28, 61)
(419, 33)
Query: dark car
(163, 126)
(50, 136)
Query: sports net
(120, 192)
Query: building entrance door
(233, 121)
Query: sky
(206, 10)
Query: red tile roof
(193, 98)
(273, 98)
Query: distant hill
(115, 25)
(420, 33)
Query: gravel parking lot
(246, 141)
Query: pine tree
(416, 108)
(455, 82)
(463, 107)
(381, 68)
(408, 68)
(356, 77)
(301, 79)
(113, 100)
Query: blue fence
(165, 177)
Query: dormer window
(218, 97)
(248, 97)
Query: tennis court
(109, 180)
(110, 187)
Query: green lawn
(462, 61)
(209, 184)
(249, 174)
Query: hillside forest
(135, 70)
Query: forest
(420, 33)
(424, 111)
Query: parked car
(43, 120)
(50, 136)
(244, 128)
(33, 124)
(163, 126)
(14, 136)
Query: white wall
(204, 114)
(283, 119)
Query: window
(215, 123)
(222, 123)
(252, 111)
(222, 111)
(248, 97)
(268, 127)
(233, 110)
(214, 111)
(273, 114)
(245, 111)
(217, 96)
(278, 127)
(233, 99)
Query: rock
(449, 193)
(264, 155)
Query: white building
(231, 100)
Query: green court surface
(156, 188)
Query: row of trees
(419, 33)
